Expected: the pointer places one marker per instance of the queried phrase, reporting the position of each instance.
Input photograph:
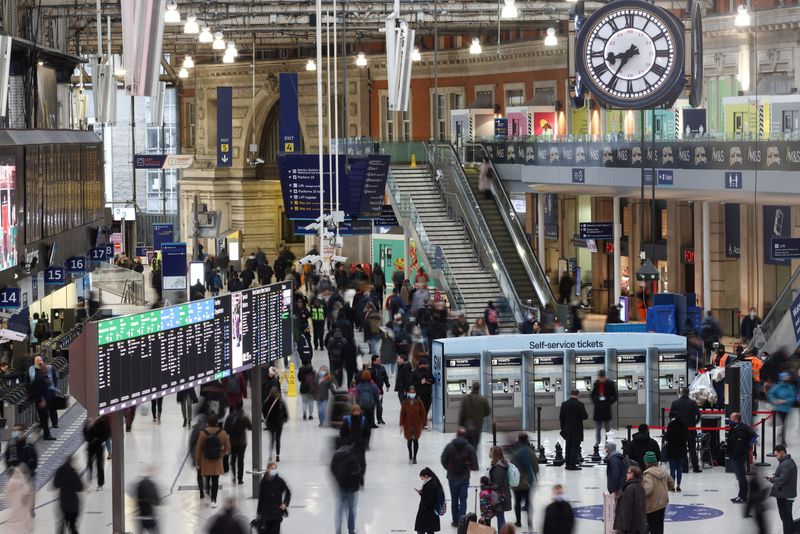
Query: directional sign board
(10, 298)
(785, 248)
(597, 230)
(224, 126)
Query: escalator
(780, 330)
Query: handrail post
(774, 433)
(763, 445)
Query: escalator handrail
(521, 243)
(479, 228)
(776, 313)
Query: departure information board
(159, 352)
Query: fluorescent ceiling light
(219, 42)
(311, 65)
(475, 47)
(188, 62)
(205, 36)
(227, 58)
(742, 19)
(415, 55)
(551, 39)
(510, 10)
(172, 15)
(361, 60)
(191, 25)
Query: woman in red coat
(412, 420)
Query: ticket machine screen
(454, 387)
(538, 386)
(500, 386)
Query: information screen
(262, 321)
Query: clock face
(630, 54)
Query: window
(396, 124)
(449, 98)
(515, 94)
(388, 121)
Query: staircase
(478, 285)
(502, 239)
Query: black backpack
(337, 348)
(212, 447)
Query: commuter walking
(571, 417)
(675, 447)
(498, 476)
(43, 389)
(431, 500)
(472, 412)
(631, 516)
(197, 428)
(784, 487)
(604, 395)
(186, 398)
(367, 395)
(212, 444)
(741, 438)
(20, 452)
(403, 379)
(336, 348)
(783, 396)
(381, 379)
(307, 378)
(459, 458)
(68, 483)
(492, 318)
(749, 324)
(229, 521)
(348, 471)
(275, 416)
(756, 506)
(422, 380)
(274, 497)
(641, 444)
(484, 178)
(412, 421)
(96, 432)
(236, 425)
(147, 499)
(615, 469)
(558, 516)
(523, 456)
(19, 498)
(657, 484)
(325, 388)
(156, 407)
(689, 413)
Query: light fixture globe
(311, 65)
(475, 47)
(227, 58)
(415, 55)
(510, 10)
(172, 15)
(551, 39)
(191, 26)
(188, 62)
(219, 41)
(742, 19)
(361, 60)
(232, 50)
(183, 73)
(206, 36)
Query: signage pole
(255, 416)
(116, 421)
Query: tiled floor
(388, 502)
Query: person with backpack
(307, 378)
(500, 477)
(740, 442)
(274, 497)
(348, 469)
(42, 391)
(96, 432)
(235, 389)
(336, 346)
(412, 421)
(236, 425)
(459, 459)
(216, 283)
(42, 331)
(367, 395)
(472, 412)
(641, 444)
(491, 318)
(432, 503)
(275, 416)
(616, 468)
(523, 456)
(213, 444)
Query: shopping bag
(477, 528)
(609, 512)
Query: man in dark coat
(749, 324)
(347, 468)
(69, 484)
(631, 514)
(740, 440)
(784, 487)
(571, 417)
(642, 443)
(147, 498)
(96, 432)
(604, 395)
(473, 410)
(689, 413)
(273, 500)
(558, 516)
(229, 521)
(403, 380)
(458, 459)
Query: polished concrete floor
(388, 502)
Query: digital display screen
(538, 385)
(8, 216)
(621, 384)
(163, 351)
(454, 387)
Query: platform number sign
(55, 276)
(10, 297)
(109, 251)
(98, 255)
(76, 264)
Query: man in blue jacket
(616, 471)
(784, 486)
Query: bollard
(762, 463)
(774, 434)
(629, 433)
(413, 161)
(663, 417)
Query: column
(617, 262)
(706, 256)
(540, 230)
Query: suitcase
(463, 525)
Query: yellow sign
(224, 147)
(292, 382)
(288, 147)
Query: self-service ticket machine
(454, 377)
(586, 368)
(673, 374)
(546, 376)
(636, 374)
(504, 387)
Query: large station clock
(696, 88)
(629, 54)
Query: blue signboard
(149, 161)
(299, 175)
(733, 247)
(387, 218)
(98, 255)
(733, 180)
(289, 124)
(162, 233)
(785, 247)
(550, 215)
(75, 265)
(347, 227)
(368, 176)
(596, 230)
(109, 250)
(676, 513)
(777, 224)
(665, 177)
(501, 127)
(224, 126)
(10, 298)
(578, 176)
(55, 276)
(173, 265)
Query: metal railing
(773, 333)
(454, 181)
(124, 283)
(475, 153)
(408, 211)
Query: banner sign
(728, 156)
(596, 230)
(173, 265)
(373, 171)
(224, 126)
(149, 161)
(162, 233)
(98, 255)
(785, 248)
(733, 247)
(299, 174)
(289, 124)
(387, 218)
(777, 224)
(10, 298)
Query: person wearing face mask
(412, 420)
(782, 396)
(19, 451)
(631, 516)
(431, 500)
(558, 516)
(749, 324)
(325, 388)
(423, 381)
(274, 497)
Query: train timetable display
(163, 351)
(262, 323)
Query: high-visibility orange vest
(756, 364)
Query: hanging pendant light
(219, 42)
(361, 60)
(232, 50)
(172, 15)
(227, 58)
(551, 39)
(742, 19)
(311, 65)
(475, 48)
(188, 62)
(191, 26)
(415, 55)
(205, 36)
(183, 73)
(510, 10)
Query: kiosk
(503, 385)
(545, 375)
(634, 371)
(673, 374)
(459, 374)
(586, 368)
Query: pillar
(706, 256)
(540, 230)
(617, 252)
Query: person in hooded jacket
(657, 484)
(423, 381)
(675, 440)
(631, 516)
(459, 459)
(274, 497)
(641, 444)
(427, 520)
(275, 416)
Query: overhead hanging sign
(75, 265)
(224, 126)
(299, 174)
(374, 170)
(387, 218)
(596, 230)
(162, 233)
(173, 265)
(289, 124)
(10, 298)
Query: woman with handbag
(275, 415)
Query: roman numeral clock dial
(630, 55)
